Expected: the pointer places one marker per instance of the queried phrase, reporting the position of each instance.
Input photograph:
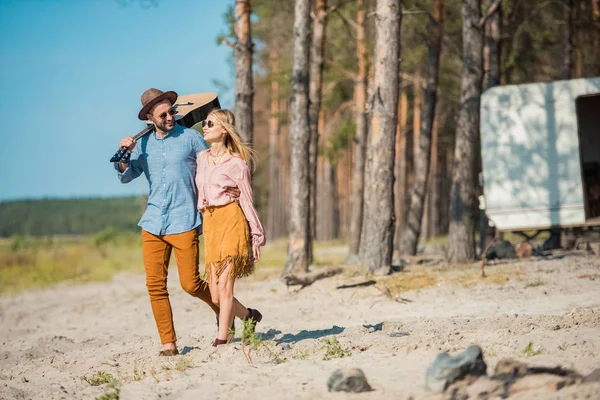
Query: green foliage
(333, 349)
(529, 351)
(112, 391)
(251, 341)
(69, 216)
(99, 378)
(105, 236)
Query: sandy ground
(52, 338)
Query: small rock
(348, 380)
(445, 369)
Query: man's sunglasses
(171, 112)
(208, 123)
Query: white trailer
(540, 148)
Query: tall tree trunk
(329, 204)
(568, 52)
(494, 45)
(360, 139)
(434, 178)
(462, 196)
(273, 227)
(412, 230)
(314, 109)
(507, 46)
(242, 53)
(400, 181)
(299, 235)
(378, 222)
(416, 122)
(284, 175)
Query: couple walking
(194, 189)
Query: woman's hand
(255, 253)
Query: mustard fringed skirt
(226, 240)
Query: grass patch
(529, 351)
(333, 349)
(183, 364)
(28, 263)
(253, 342)
(417, 277)
(112, 391)
(35, 262)
(563, 347)
(303, 355)
(99, 378)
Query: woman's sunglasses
(171, 112)
(208, 123)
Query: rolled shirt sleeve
(246, 202)
(133, 170)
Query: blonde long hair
(233, 140)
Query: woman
(233, 234)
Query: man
(167, 157)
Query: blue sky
(71, 76)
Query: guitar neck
(145, 131)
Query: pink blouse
(212, 181)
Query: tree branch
(346, 21)
(228, 43)
(413, 12)
(311, 277)
(490, 12)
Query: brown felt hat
(154, 96)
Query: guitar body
(193, 114)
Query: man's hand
(127, 142)
(233, 191)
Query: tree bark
(242, 53)
(412, 230)
(378, 222)
(400, 167)
(299, 235)
(568, 52)
(273, 227)
(434, 179)
(493, 30)
(462, 196)
(314, 109)
(360, 139)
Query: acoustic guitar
(192, 109)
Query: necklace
(217, 158)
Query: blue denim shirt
(170, 167)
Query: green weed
(529, 351)
(99, 378)
(333, 349)
(112, 391)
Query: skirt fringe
(226, 241)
